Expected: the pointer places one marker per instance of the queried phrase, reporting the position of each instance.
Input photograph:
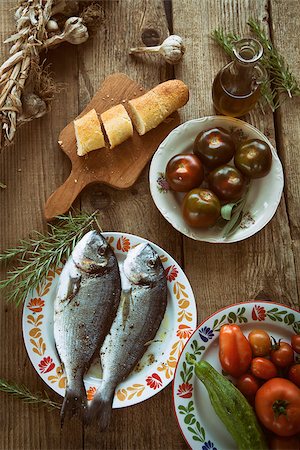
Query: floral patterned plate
(156, 368)
(264, 193)
(200, 426)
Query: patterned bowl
(199, 424)
(264, 193)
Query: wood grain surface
(264, 266)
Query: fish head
(91, 253)
(143, 265)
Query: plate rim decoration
(37, 323)
(260, 312)
(160, 190)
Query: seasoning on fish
(85, 306)
(141, 310)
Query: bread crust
(152, 108)
(117, 125)
(88, 133)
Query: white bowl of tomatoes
(216, 179)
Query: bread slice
(88, 133)
(152, 108)
(117, 125)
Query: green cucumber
(231, 407)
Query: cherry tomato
(282, 354)
(263, 368)
(248, 385)
(214, 147)
(184, 172)
(295, 342)
(227, 183)
(277, 405)
(285, 443)
(234, 350)
(294, 374)
(253, 158)
(201, 208)
(260, 342)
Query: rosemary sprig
(37, 255)
(23, 393)
(280, 79)
(281, 76)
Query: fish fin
(100, 409)
(74, 403)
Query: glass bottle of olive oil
(236, 88)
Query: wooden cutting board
(119, 167)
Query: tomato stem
(276, 344)
(279, 407)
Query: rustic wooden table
(266, 266)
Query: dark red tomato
(282, 354)
(227, 183)
(253, 158)
(214, 147)
(295, 342)
(248, 385)
(285, 443)
(184, 172)
(201, 208)
(260, 342)
(263, 368)
(234, 350)
(294, 374)
(277, 405)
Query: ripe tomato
(227, 183)
(184, 172)
(295, 342)
(277, 405)
(234, 350)
(253, 158)
(285, 443)
(214, 147)
(260, 342)
(263, 368)
(294, 374)
(201, 208)
(248, 385)
(282, 354)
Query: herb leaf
(23, 393)
(226, 210)
(37, 255)
(236, 216)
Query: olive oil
(236, 87)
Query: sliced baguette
(117, 125)
(88, 133)
(152, 108)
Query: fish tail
(100, 408)
(74, 403)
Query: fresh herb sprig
(2, 185)
(281, 82)
(23, 393)
(234, 213)
(37, 255)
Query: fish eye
(101, 251)
(151, 262)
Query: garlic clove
(52, 26)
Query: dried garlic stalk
(36, 30)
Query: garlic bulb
(75, 31)
(172, 49)
(32, 107)
(52, 26)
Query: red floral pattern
(91, 392)
(171, 273)
(185, 390)
(154, 381)
(184, 331)
(123, 244)
(258, 313)
(36, 304)
(46, 364)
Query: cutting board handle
(61, 200)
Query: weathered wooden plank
(31, 168)
(264, 264)
(149, 425)
(284, 22)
